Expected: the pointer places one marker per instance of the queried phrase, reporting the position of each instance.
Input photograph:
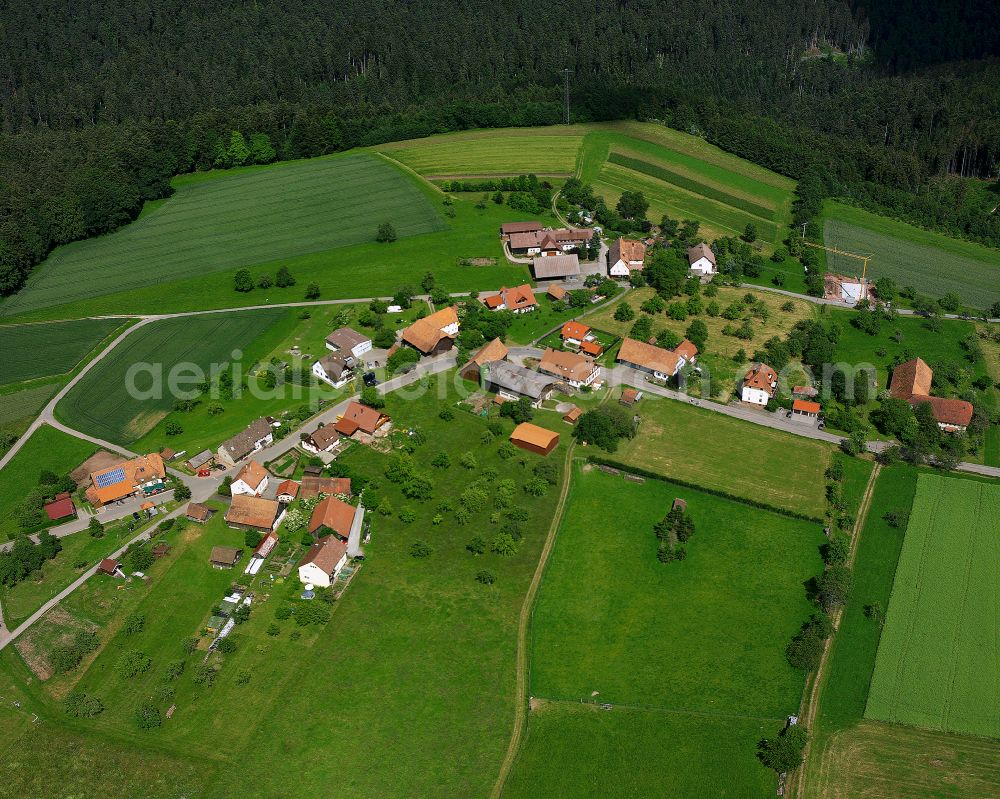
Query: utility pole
(566, 93)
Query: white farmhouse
(251, 480)
(759, 384)
(701, 260)
(323, 562)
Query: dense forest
(102, 102)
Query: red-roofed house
(250, 480)
(323, 562)
(575, 333)
(287, 491)
(912, 381)
(759, 384)
(519, 299)
(360, 417)
(333, 514)
(805, 410)
(625, 256)
(61, 507)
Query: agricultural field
(19, 408)
(49, 349)
(934, 669)
(931, 263)
(100, 403)
(471, 234)
(724, 454)
(686, 178)
(47, 448)
(888, 761)
(216, 222)
(550, 151)
(574, 751)
(715, 661)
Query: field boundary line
(677, 711)
(410, 171)
(809, 709)
(524, 621)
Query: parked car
(370, 379)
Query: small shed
(196, 512)
(533, 438)
(160, 550)
(312, 470)
(224, 557)
(572, 415)
(630, 397)
(679, 503)
(109, 566)
(60, 508)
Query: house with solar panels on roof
(143, 476)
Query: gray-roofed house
(336, 370)
(203, 458)
(511, 381)
(346, 341)
(256, 436)
(323, 439)
(556, 267)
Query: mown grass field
(32, 351)
(244, 218)
(720, 646)
(550, 151)
(47, 448)
(472, 233)
(937, 665)
(931, 263)
(725, 454)
(573, 751)
(693, 651)
(101, 402)
(888, 761)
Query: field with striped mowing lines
(32, 351)
(237, 219)
(543, 151)
(101, 404)
(717, 219)
(938, 663)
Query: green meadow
(103, 404)
(724, 454)
(689, 654)
(931, 263)
(237, 219)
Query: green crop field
(511, 151)
(575, 751)
(725, 454)
(49, 349)
(47, 448)
(19, 408)
(235, 219)
(938, 665)
(101, 403)
(693, 650)
(931, 263)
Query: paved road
(841, 304)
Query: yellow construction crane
(863, 258)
